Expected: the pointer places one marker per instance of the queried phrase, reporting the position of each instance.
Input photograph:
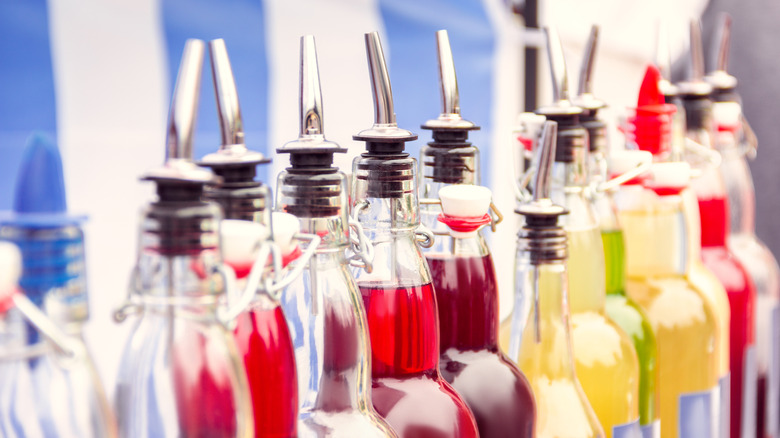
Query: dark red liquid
(265, 345)
(493, 387)
(741, 293)
(204, 394)
(408, 390)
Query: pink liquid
(740, 290)
(265, 345)
(264, 341)
(204, 394)
(494, 388)
(407, 389)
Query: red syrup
(265, 345)
(407, 389)
(204, 391)
(493, 387)
(741, 292)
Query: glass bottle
(685, 326)
(261, 332)
(653, 132)
(181, 373)
(464, 277)
(407, 387)
(538, 333)
(714, 218)
(63, 389)
(323, 306)
(619, 307)
(735, 141)
(602, 351)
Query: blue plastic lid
(39, 198)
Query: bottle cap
(727, 115)
(285, 227)
(465, 200)
(450, 117)
(621, 161)
(652, 121)
(240, 241)
(10, 272)
(669, 178)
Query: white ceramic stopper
(672, 175)
(465, 200)
(285, 226)
(241, 240)
(726, 113)
(10, 268)
(623, 160)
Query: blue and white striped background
(97, 75)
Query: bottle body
(546, 357)
(498, 394)
(401, 306)
(66, 392)
(181, 373)
(714, 215)
(684, 324)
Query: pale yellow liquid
(684, 322)
(605, 359)
(562, 409)
(706, 282)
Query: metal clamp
(362, 248)
(496, 217)
(300, 263)
(748, 140)
(424, 236)
(710, 155)
(624, 177)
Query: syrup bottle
(714, 214)
(620, 308)
(261, 332)
(63, 384)
(464, 277)
(735, 141)
(407, 389)
(181, 372)
(323, 306)
(540, 338)
(602, 351)
(652, 131)
(684, 324)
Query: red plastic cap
(652, 123)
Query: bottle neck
(666, 249)
(385, 193)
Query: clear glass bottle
(323, 306)
(736, 142)
(261, 331)
(714, 216)
(181, 373)
(540, 337)
(685, 326)
(464, 277)
(621, 309)
(408, 389)
(67, 396)
(602, 351)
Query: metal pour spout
(184, 105)
(562, 104)
(546, 159)
(720, 79)
(385, 127)
(585, 98)
(181, 122)
(450, 98)
(695, 85)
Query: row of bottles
(368, 306)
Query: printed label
(652, 430)
(627, 430)
(724, 411)
(749, 382)
(697, 416)
(772, 401)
